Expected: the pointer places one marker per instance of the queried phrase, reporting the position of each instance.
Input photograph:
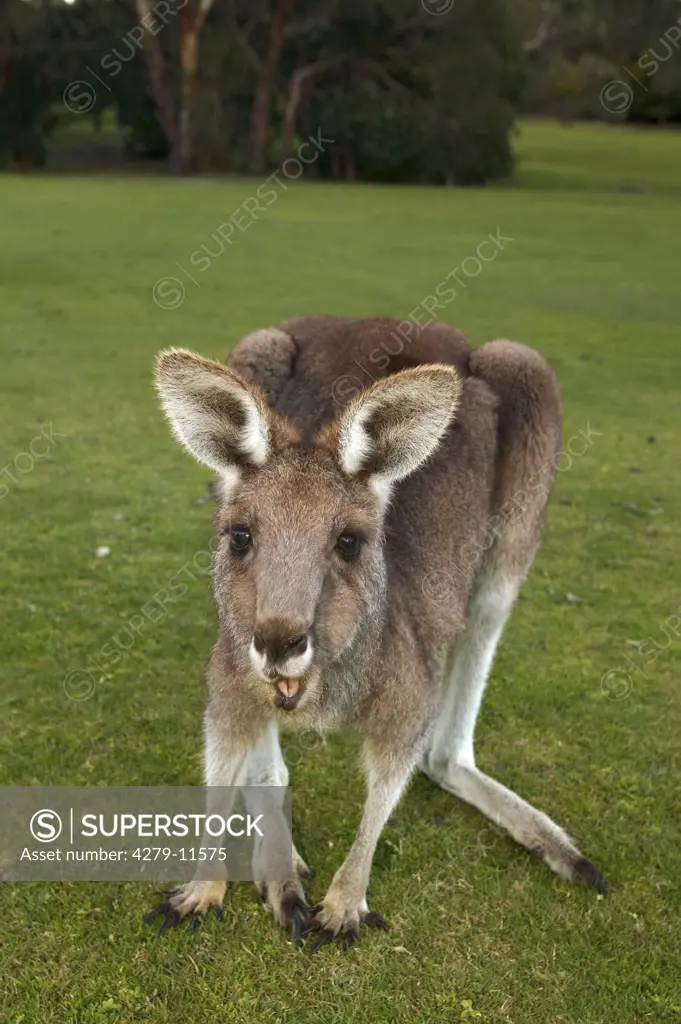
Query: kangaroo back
(478, 503)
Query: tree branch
(545, 29)
(298, 79)
(243, 40)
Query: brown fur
(443, 561)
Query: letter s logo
(46, 826)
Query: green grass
(598, 156)
(480, 930)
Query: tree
(408, 96)
(178, 127)
(236, 84)
(266, 74)
(159, 73)
(25, 119)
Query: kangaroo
(372, 543)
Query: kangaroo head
(300, 564)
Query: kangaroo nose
(279, 640)
(298, 644)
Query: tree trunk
(158, 72)
(191, 24)
(177, 128)
(299, 79)
(189, 57)
(260, 117)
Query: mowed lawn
(578, 718)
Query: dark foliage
(409, 90)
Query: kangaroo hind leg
(529, 429)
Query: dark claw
(323, 939)
(376, 921)
(348, 937)
(298, 924)
(154, 912)
(294, 914)
(588, 874)
(310, 926)
(170, 920)
(310, 922)
(170, 917)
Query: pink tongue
(289, 687)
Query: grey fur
(400, 640)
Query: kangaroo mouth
(288, 693)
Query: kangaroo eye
(240, 538)
(348, 544)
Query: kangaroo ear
(220, 418)
(389, 429)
